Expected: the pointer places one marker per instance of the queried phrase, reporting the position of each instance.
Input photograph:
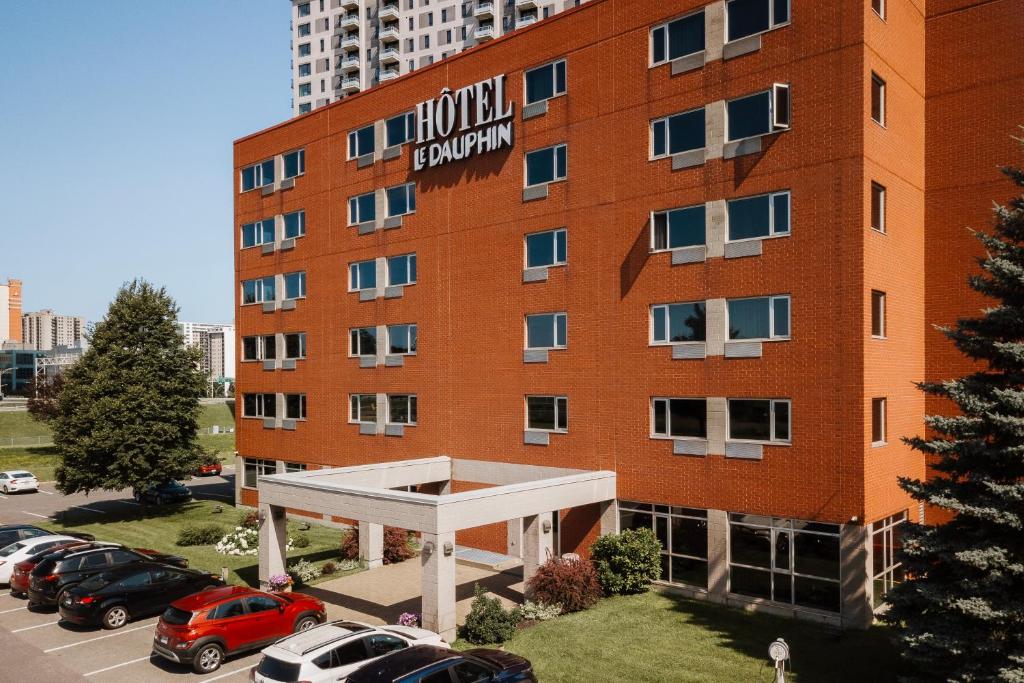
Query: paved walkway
(378, 596)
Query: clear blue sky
(116, 124)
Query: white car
(18, 480)
(19, 551)
(331, 651)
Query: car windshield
(21, 475)
(177, 617)
(98, 581)
(11, 549)
(277, 670)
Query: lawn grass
(18, 423)
(659, 637)
(220, 414)
(39, 460)
(159, 530)
(223, 444)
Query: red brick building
(692, 245)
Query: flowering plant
(242, 541)
(280, 581)
(408, 619)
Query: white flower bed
(242, 541)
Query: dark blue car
(162, 494)
(431, 664)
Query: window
(259, 405)
(758, 217)
(255, 234)
(683, 534)
(304, 70)
(362, 275)
(295, 346)
(381, 644)
(294, 224)
(261, 603)
(362, 209)
(259, 348)
(305, 89)
(545, 165)
(363, 408)
(544, 249)
(677, 133)
(363, 341)
(878, 419)
(360, 142)
(295, 406)
(763, 318)
(879, 7)
(258, 175)
(471, 672)
(229, 610)
(877, 207)
(402, 409)
(304, 9)
(545, 82)
(294, 163)
(304, 30)
(401, 199)
(545, 331)
(295, 467)
(402, 270)
(877, 314)
(788, 561)
(886, 544)
(678, 323)
(748, 17)
(547, 413)
(295, 285)
(678, 38)
(402, 340)
(758, 114)
(400, 129)
(877, 99)
(258, 291)
(759, 420)
(679, 418)
(678, 228)
(344, 655)
(304, 50)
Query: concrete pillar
(718, 553)
(855, 576)
(514, 541)
(371, 544)
(438, 584)
(382, 412)
(381, 269)
(718, 408)
(273, 541)
(714, 30)
(536, 543)
(609, 517)
(239, 476)
(714, 129)
(715, 311)
(717, 219)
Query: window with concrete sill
(258, 233)
(763, 319)
(259, 348)
(401, 200)
(361, 142)
(547, 414)
(362, 275)
(761, 421)
(295, 406)
(402, 340)
(546, 249)
(399, 130)
(363, 342)
(744, 18)
(546, 332)
(879, 417)
(362, 208)
(362, 409)
(258, 175)
(757, 115)
(678, 228)
(547, 165)
(253, 468)
(401, 270)
(757, 218)
(679, 323)
(294, 164)
(258, 291)
(677, 134)
(402, 410)
(544, 82)
(295, 286)
(679, 418)
(677, 38)
(259, 406)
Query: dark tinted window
(277, 670)
(178, 617)
(470, 672)
(349, 653)
(441, 676)
(261, 603)
(381, 645)
(749, 116)
(94, 561)
(139, 580)
(32, 533)
(122, 556)
(228, 610)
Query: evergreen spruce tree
(128, 412)
(960, 613)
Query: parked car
(331, 652)
(22, 571)
(202, 629)
(162, 494)
(21, 550)
(209, 466)
(63, 570)
(138, 589)
(14, 481)
(430, 664)
(9, 533)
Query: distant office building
(10, 311)
(340, 47)
(217, 343)
(19, 363)
(45, 330)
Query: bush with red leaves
(570, 583)
(397, 545)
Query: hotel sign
(457, 125)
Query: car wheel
(115, 617)
(5, 488)
(60, 596)
(208, 659)
(305, 623)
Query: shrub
(570, 583)
(250, 519)
(626, 563)
(397, 545)
(487, 621)
(202, 534)
(304, 571)
(242, 541)
(538, 611)
(328, 568)
(301, 541)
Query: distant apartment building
(217, 343)
(10, 311)
(341, 47)
(45, 330)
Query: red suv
(203, 628)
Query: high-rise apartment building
(10, 311)
(217, 342)
(45, 330)
(341, 47)
(698, 247)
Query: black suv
(67, 568)
(432, 664)
(12, 533)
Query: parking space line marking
(125, 501)
(49, 493)
(118, 666)
(29, 628)
(16, 609)
(92, 640)
(82, 507)
(230, 673)
(35, 515)
(3, 497)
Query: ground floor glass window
(254, 468)
(683, 533)
(886, 542)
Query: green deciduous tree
(960, 614)
(42, 397)
(129, 410)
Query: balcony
(484, 10)
(526, 20)
(526, 4)
(484, 32)
(389, 34)
(349, 85)
(350, 5)
(349, 21)
(388, 12)
(349, 41)
(390, 55)
(388, 74)
(349, 63)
